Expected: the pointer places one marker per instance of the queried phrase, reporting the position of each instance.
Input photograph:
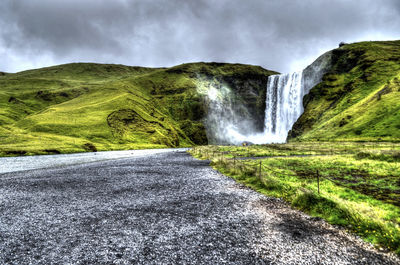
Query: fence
(240, 163)
(384, 231)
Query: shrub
(89, 147)
(358, 132)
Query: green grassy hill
(358, 99)
(85, 107)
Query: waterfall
(283, 106)
(284, 100)
(228, 121)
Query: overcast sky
(281, 35)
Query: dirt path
(164, 208)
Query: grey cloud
(275, 34)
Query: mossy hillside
(46, 113)
(176, 91)
(358, 99)
(64, 108)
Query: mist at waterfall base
(228, 121)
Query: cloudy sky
(282, 35)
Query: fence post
(318, 180)
(260, 172)
(234, 164)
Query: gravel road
(161, 208)
(20, 163)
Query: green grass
(112, 107)
(65, 108)
(359, 182)
(358, 99)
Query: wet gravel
(164, 208)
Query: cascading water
(228, 120)
(284, 105)
(284, 101)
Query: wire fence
(242, 159)
(323, 147)
(360, 221)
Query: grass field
(85, 107)
(359, 183)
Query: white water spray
(228, 120)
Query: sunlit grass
(361, 193)
(358, 99)
(112, 107)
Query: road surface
(158, 208)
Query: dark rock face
(251, 90)
(243, 105)
(238, 110)
(314, 73)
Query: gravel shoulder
(161, 208)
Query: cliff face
(69, 107)
(228, 97)
(358, 98)
(239, 99)
(250, 89)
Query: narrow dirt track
(165, 208)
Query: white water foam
(284, 105)
(226, 123)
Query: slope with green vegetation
(358, 99)
(354, 185)
(86, 107)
